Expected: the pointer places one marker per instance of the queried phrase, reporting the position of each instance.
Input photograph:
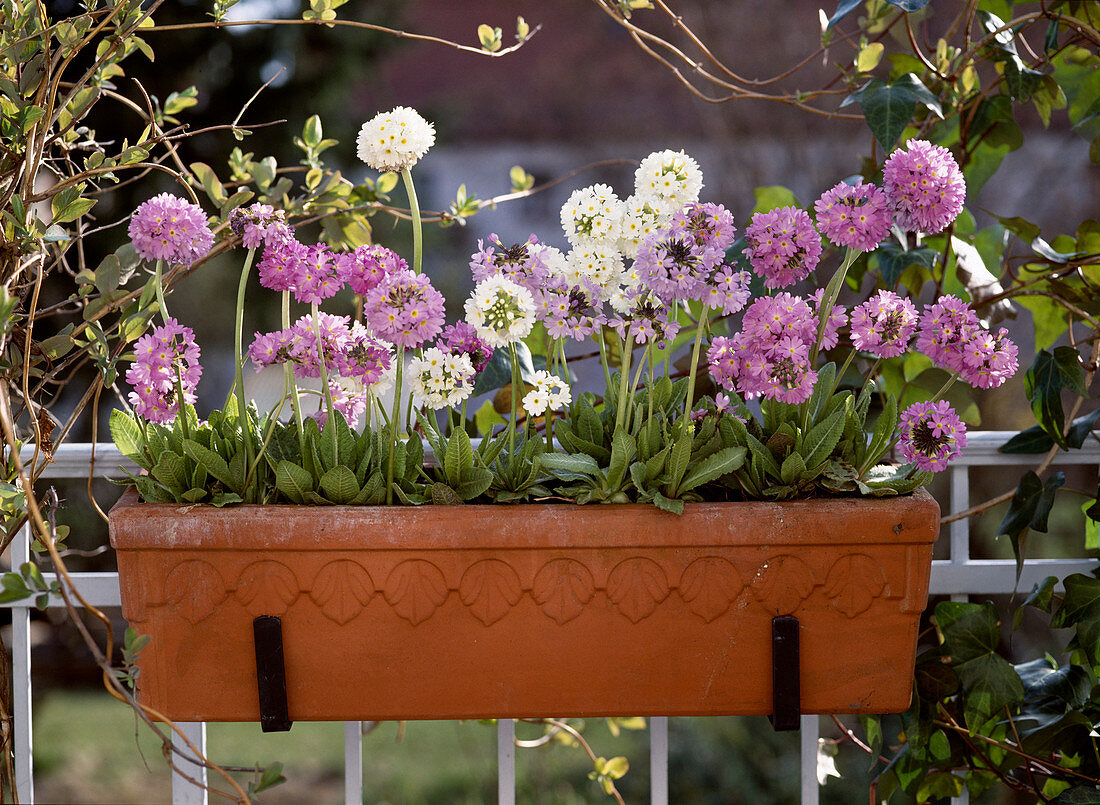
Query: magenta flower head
(168, 228)
(259, 224)
(315, 277)
(931, 435)
(404, 309)
(783, 246)
(461, 338)
(857, 216)
(169, 350)
(925, 186)
(989, 359)
(709, 224)
(522, 263)
(677, 262)
(365, 267)
(278, 268)
(883, 325)
(945, 330)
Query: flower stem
(238, 368)
(624, 379)
(331, 421)
(517, 385)
(700, 326)
(829, 297)
(393, 422)
(414, 209)
(158, 286)
(288, 375)
(603, 359)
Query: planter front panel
(525, 611)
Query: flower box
(526, 610)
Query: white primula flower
(669, 180)
(550, 257)
(641, 218)
(592, 215)
(392, 141)
(439, 379)
(596, 267)
(550, 393)
(501, 311)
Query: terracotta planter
(531, 610)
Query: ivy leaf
(1041, 597)
(1070, 683)
(1050, 373)
(971, 635)
(888, 108)
(844, 7)
(1029, 508)
(909, 6)
(893, 260)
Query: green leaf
(171, 470)
(971, 636)
(293, 481)
(1070, 683)
(571, 463)
(311, 132)
(713, 467)
(675, 506)
(339, 485)
(208, 460)
(1050, 373)
(679, 457)
(823, 438)
(792, 469)
(623, 450)
(772, 196)
(460, 457)
(127, 435)
(888, 108)
(476, 481)
(893, 260)
(1030, 441)
(67, 205)
(843, 8)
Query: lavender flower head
(710, 224)
(168, 228)
(404, 308)
(258, 225)
(365, 267)
(278, 267)
(154, 371)
(925, 186)
(783, 246)
(931, 435)
(883, 325)
(528, 264)
(857, 216)
(569, 311)
(315, 275)
(944, 330)
(461, 338)
(676, 263)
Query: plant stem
(517, 385)
(603, 360)
(331, 421)
(158, 286)
(393, 421)
(829, 297)
(624, 378)
(238, 370)
(417, 226)
(700, 326)
(288, 376)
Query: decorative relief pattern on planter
(491, 588)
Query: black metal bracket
(271, 674)
(786, 701)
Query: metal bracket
(271, 674)
(786, 701)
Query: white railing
(959, 576)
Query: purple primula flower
(278, 267)
(568, 311)
(365, 267)
(727, 290)
(676, 263)
(857, 216)
(258, 225)
(461, 338)
(931, 435)
(646, 318)
(404, 309)
(171, 229)
(925, 186)
(709, 224)
(883, 325)
(522, 263)
(170, 350)
(944, 331)
(783, 246)
(315, 277)
(989, 359)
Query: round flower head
(365, 267)
(392, 141)
(989, 359)
(404, 308)
(568, 311)
(925, 186)
(592, 215)
(278, 268)
(707, 224)
(159, 358)
(168, 228)
(944, 330)
(931, 435)
(883, 325)
(646, 318)
(440, 379)
(675, 264)
(315, 275)
(550, 393)
(857, 216)
(668, 180)
(461, 338)
(500, 311)
(259, 224)
(783, 246)
(523, 263)
(595, 267)
(640, 220)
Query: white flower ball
(392, 141)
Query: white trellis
(959, 577)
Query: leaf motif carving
(193, 589)
(561, 589)
(854, 581)
(490, 588)
(709, 585)
(341, 589)
(637, 586)
(415, 589)
(782, 583)
(267, 588)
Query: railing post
(808, 743)
(21, 677)
(658, 760)
(353, 763)
(184, 792)
(506, 761)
